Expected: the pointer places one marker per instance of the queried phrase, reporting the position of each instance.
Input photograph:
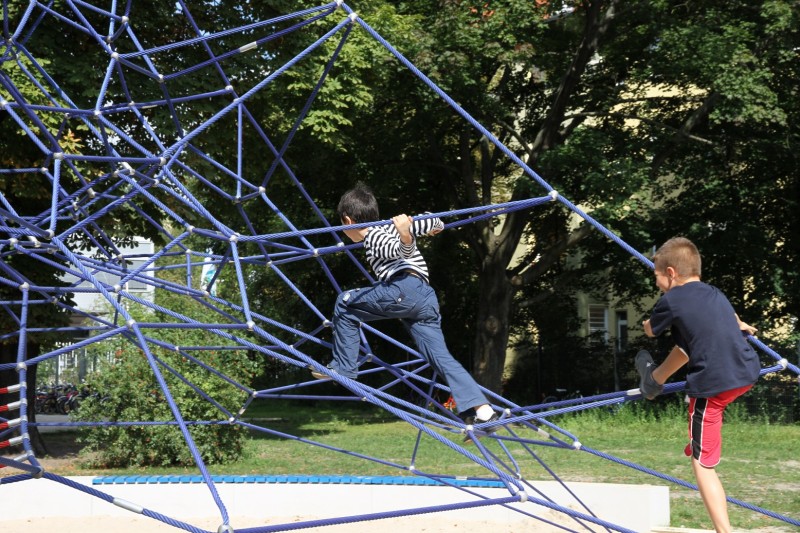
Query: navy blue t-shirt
(703, 323)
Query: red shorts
(705, 426)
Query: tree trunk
(491, 336)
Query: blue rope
(131, 167)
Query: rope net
(143, 156)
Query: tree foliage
(657, 117)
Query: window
(598, 320)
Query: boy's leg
(653, 377)
(425, 328)
(648, 386)
(352, 308)
(713, 495)
(705, 448)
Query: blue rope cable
(306, 107)
(371, 395)
(496, 208)
(5, 25)
(550, 471)
(200, 392)
(56, 353)
(199, 129)
(10, 110)
(22, 371)
(225, 33)
(29, 468)
(114, 35)
(42, 72)
(216, 59)
(86, 26)
(179, 418)
(374, 516)
(60, 210)
(90, 7)
(410, 66)
(530, 172)
(110, 499)
(252, 120)
(23, 21)
(506, 506)
(212, 370)
(101, 96)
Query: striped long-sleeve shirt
(387, 255)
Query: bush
(131, 393)
(127, 391)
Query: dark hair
(359, 204)
(681, 254)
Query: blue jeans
(414, 302)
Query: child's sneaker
(316, 374)
(645, 366)
(477, 434)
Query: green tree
(27, 196)
(656, 117)
(620, 107)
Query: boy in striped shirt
(402, 291)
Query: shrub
(127, 391)
(131, 393)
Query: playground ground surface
(105, 524)
(424, 524)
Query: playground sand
(422, 524)
(428, 524)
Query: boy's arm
(402, 224)
(408, 245)
(427, 226)
(391, 242)
(647, 329)
(747, 328)
(386, 246)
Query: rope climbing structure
(143, 144)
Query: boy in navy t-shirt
(721, 363)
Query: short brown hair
(681, 254)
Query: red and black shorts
(705, 426)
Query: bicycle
(561, 395)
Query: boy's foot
(477, 434)
(645, 366)
(316, 374)
(319, 375)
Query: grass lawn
(760, 464)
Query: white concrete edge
(636, 507)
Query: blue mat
(344, 480)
